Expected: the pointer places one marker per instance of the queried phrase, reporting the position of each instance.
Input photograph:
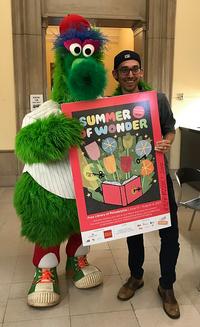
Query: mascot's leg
(44, 291)
(48, 220)
(84, 275)
(45, 221)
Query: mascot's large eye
(88, 50)
(75, 49)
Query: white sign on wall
(35, 101)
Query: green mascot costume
(44, 194)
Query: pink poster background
(129, 213)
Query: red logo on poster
(107, 233)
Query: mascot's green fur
(46, 140)
(48, 219)
(44, 195)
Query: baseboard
(9, 168)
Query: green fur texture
(76, 79)
(144, 86)
(60, 92)
(87, 79)
(48, 139)
(46, 219)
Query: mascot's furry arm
(48, 139)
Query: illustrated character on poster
(44, 194)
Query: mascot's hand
(48, 139)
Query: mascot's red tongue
(73, 21)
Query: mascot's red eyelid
(95, 43)
(69, 42)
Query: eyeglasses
(125, 71)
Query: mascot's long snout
(79, 71)
(86, 79)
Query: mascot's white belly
(55, 177)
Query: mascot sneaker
(83, 274)
(44, 291)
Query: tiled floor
(97, 307)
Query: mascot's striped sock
(46, 257)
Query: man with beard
(128, 72)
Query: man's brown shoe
(170, 305)
(128, 289)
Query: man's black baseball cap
(126, 55)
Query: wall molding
(159, 54)
(9, 168)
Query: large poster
(120, 181)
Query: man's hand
(163, 146)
